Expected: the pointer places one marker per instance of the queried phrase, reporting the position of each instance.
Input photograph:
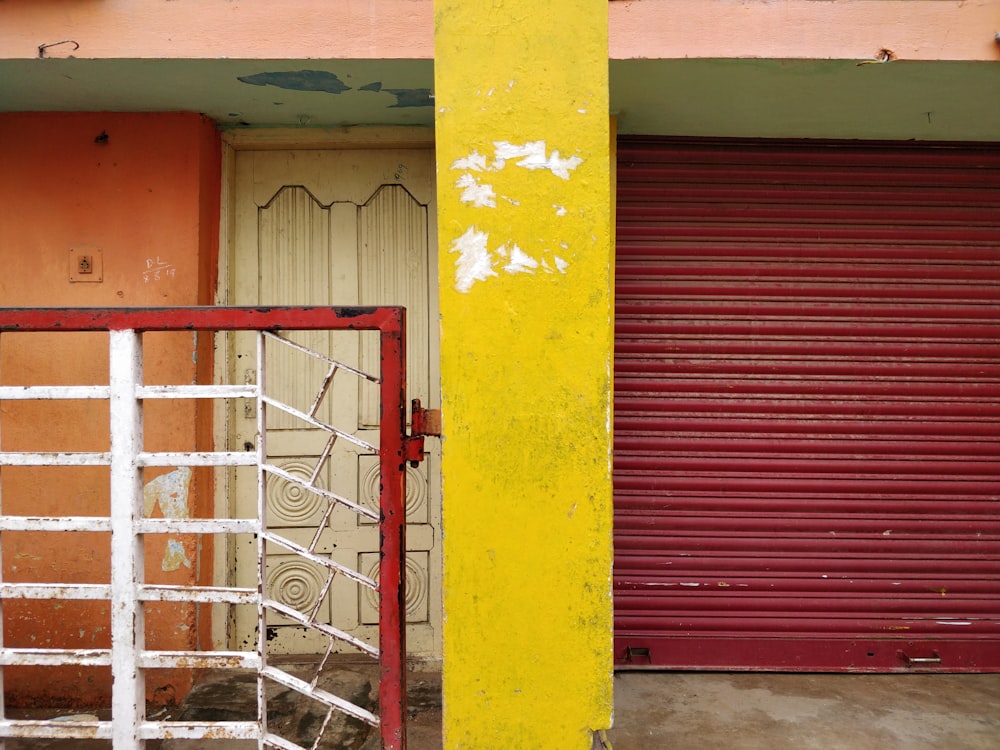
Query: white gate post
(128, 700)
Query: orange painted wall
(144, 188)
(400, 29)
(804, 29)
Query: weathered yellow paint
(522, 135)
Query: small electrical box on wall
(86, 264)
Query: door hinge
(423, 423)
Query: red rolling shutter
(807, 406)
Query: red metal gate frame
(395, 449)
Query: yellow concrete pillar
(525, 268)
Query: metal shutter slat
(807, 405)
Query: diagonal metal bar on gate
(318, 694)
(320, 627)
(319, 355)
(323, 457)
(332, 496)
(327, 382)
(316, 423)
(273, 740)
(271, 537)
(321, 664)
(330, 575)
(323, 726)
(321, 527)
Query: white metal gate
(128, 593)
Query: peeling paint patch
(476, 262)
(474, 162)
(478, 194)
(404, 97)
(174, 557)
(473, 263)
(411, 98)
(299, 80)
(534, 155)
(169, 492)
(520, 262)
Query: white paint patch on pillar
(473, 263)
(534, 155)
(474, 162)
(478, 194)
(520, 261)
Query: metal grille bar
(127, 593)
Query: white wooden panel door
(337, 227)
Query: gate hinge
(423, 423)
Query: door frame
(283, 139)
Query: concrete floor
(741, 711)
(762, 711)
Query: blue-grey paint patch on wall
(375, 86)
(299, 80)
(411, 97)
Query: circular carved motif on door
(288, 504)
(416, 589)
(416, 489)
(296, 584)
